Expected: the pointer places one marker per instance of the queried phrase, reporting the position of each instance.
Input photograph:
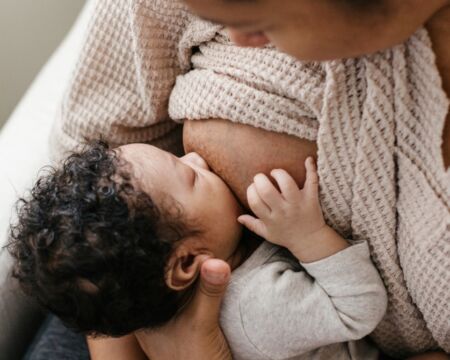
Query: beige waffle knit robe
(377, 120)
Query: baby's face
(202, 195)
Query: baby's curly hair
(92, 248)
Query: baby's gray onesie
(278, 308)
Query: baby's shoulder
(260, 301)
(268, 270)
(266, 259)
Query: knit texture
(378, 122)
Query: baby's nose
(195, 159)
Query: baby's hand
(292, 217)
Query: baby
(113, 242)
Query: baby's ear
(183, 267)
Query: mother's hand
(195, 333)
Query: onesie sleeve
(120, 87)
(287, 312)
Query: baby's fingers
(267, 191)
(253, 224)
(286, 183)
(312, 178)
(256, 204)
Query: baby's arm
(292, 217)
(339, 297)
(286, 312)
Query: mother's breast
(238, 152)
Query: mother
(377, 120)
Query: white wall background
(30, 30)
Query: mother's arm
(126, 347)
(193, 335)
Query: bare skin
(126, 347)
(238, 152)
